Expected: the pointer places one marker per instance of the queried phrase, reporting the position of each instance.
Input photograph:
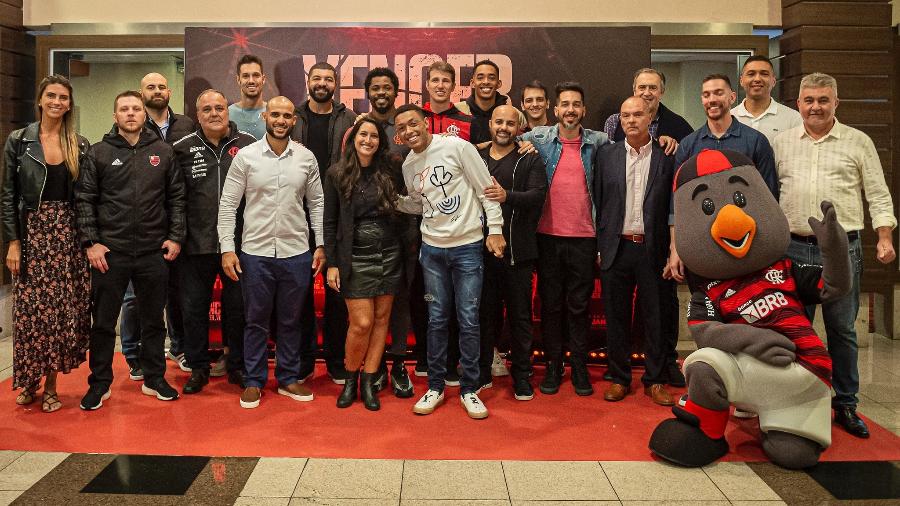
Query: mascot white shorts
(789, 399)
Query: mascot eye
(708, 207)
(739, 199)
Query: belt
(635, 238)
(811, 239)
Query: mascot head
(727, 222)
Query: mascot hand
(829, 233)
(763, 344)
(834, 246)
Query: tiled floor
(60, 478)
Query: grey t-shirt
(248, 120)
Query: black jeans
(334, 330)
(632, 267)
(149, 274)
(405, 308)
(565, 284)
(198, 276)
(512, 285)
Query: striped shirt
(772, 298)
(839, 167)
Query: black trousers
(334, 329)
(198, 276)
(633, 267)
(407, 311)
(669, 312)
(509, 285)
(149, 274)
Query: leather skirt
(377, 261)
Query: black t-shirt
(317, 139)
(503, 168)
(57, 185)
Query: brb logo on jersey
(755, 310)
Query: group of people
(415, 219)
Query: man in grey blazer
(632, 193)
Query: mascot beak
(733, 230)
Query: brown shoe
(616, 392)
(296, 391)
(250, 397)
(658, 394)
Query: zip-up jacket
(179, 126)
(205, 167)
(24, 175)
(340, 120)
(481, 119)
(452, 121)
(523, 206)
(130, 198)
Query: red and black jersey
(452, 121)
(772, 298)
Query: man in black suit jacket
(632, 193)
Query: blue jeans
(840, 323)
(280, 285)
(130, 325)
(453, 274)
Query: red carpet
(560, 427)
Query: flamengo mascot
(756, 349)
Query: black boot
(553, 378)
(348, 394)
(368, 392)
(199, 378)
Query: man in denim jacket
(566, 236)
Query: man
(321, 124)
(566, 236)
(382, 86)
(535, 103)
(442, 115)
(650, 85)
(204, 158)
(484, 98)
(632, 192)
(275, 176)
(170, 127)
(130, 203)
(247, 113)
(519, 184)
(827, 160)
(759, 111)
(446, 180)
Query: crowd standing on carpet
(431, 218)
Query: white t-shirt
(774, 120)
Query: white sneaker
(218, 367)
(178, 359)
(740, 413)
(498, 367)
(431, 400)
(473, 406)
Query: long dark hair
(68, 139)
(349, 169)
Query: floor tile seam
(613, 487)
(710, 478)
(402, 476)
(299, 477)
(21, 454)
(505, 482)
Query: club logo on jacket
(233, 151)
(775, 276)
(154, 160)
(453, 130)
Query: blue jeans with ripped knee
(453, 274)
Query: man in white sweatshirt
(445, 178)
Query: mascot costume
(757, 350)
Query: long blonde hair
(68, 139)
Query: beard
(315, 94)
(271, 131)
(381, 110)
(157, 103)
(502, 141)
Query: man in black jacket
(632, 194)
(321, 124)
(204, 157)
(483, 100)
(130, 203)
(519, 185)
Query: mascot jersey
(771, 298)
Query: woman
(51, 303)
(362, 242)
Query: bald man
(632, 192)
(275, 176)
(519, 185)
(160, 118)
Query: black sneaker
(676, 377)
(160, 389)
(451, 379)
(199, 378)
(135, 373)
(552, 379)
(338, 376)
(403, 387)
(421, 368)
(581, 380)
(236, 377)
(94, 397)
(522, 390)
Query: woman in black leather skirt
(364, 251)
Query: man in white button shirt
(759, 111)
(274, 176)
(824, 159)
